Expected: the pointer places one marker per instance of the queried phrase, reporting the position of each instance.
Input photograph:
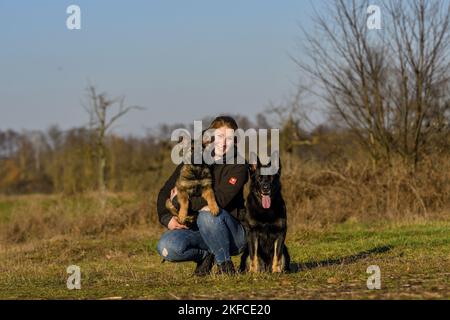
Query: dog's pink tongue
(266, 202)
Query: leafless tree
(292, 117)
(99, 105)
(38, 143)
(419, 34)
(389, 86)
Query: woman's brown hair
(223, 121)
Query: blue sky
(182, 60)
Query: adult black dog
(265, 224)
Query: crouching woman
(212, 239)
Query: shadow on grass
(298, 267)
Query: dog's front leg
(208, 195)
(253, 251)
(171, 208)
(183, 199)
(277, 265)
(244, 257)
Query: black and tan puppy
(265, 224)
(194, 180)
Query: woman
(212, 238)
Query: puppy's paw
(214, 208)
(189, 220)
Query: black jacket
(228, 184)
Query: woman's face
(223, 140)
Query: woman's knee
(162, 245)
(206, 220)
(168, 247)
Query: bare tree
(388, 86)
(292, 117)
(420, 38)
(99, 105)
(38, 143)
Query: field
(122, 263)
(351, 98)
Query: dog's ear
(252, 168)
(275, 156)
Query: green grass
(6, 208)
(414, 260)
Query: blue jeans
(223, 236)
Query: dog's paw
(182, 219)
(254, 268)
(214, 209)
(189, 220)
(276, 269)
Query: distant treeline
(56, 160)
(65, 161)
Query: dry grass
(353, 190)
(328, 264)
(341, 216)
(317, 195)
(42, 217)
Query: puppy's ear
(253, 162)
(207, 138)
(185, 142)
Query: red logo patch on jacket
(232, 181)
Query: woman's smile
(224, 138)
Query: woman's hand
(175, 225)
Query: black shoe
(226, 267)
(204, 266)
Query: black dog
(265, 224)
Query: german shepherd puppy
(194, 180)
(265, 224)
